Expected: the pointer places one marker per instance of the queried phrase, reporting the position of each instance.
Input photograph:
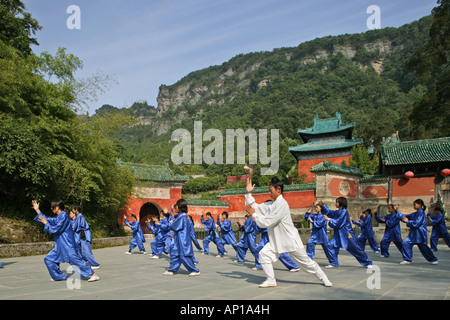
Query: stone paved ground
(138, 277)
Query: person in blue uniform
(65, 246)
(439, 229)
(212, 235)
(166, 233)
(227, 232)
(83, 235)
(392, 232)
(318, 232)
(344, 236)
(247, 240)
(365, 223)
(181, 251)
(193, 235)
(158, 244)
(138, 237)
(417, 223)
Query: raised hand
(249, 187)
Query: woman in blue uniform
(65, 247)
(166, 233)
(344, 236)
(392, 233)
(83, 236)
(212, 235)
(193, 235)
(417, 223)
(439, 228)
(227, 232)
(158, 244)
(318, 233)
(365, 223)
(138, 237)
(181, 251)
(248, 239)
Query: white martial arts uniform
(283, 237)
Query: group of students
(345, 238)
(72, 239)
(175, 235)
(279, 237)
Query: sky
(142, 44)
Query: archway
(147, 210)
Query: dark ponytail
(421, 203)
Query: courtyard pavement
(138, 277)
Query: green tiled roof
(286, 188)
(326, 126)
(374, 178)
(207, 203)
(330, 166)
(419, 151)
(326, 145)
(159, 173)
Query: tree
(17, 26)
(361, 159)
(430, 115)
(47, 151)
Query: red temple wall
(405, 191)
(305, 165)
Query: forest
(284, 88)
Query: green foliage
(285, 88)
(362, 160)
(202, 184)
(430, 116)
(17, 26)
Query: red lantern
(408, 174)
(445, 172)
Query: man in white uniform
(283, 236)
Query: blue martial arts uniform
(366, 233)
(138, 237)
(318, 235)
(439, 230)
(210, 228)
(158, 244)
(344, 237)
(284, 258)
(166, 233)
(227, 232)
(194, 237)
(66, 249)
(392, 233)
(417, 223)
(181, 250)
(83, 237)
(247, 241)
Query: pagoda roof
(325, 145)
(416, 152)
(334, 167)
(158, 173)
(327, 126)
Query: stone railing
(38, 248)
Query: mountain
(362, 76)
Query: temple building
(408, 171)
(327, 139)
(416, 169)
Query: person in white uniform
(283, 236)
